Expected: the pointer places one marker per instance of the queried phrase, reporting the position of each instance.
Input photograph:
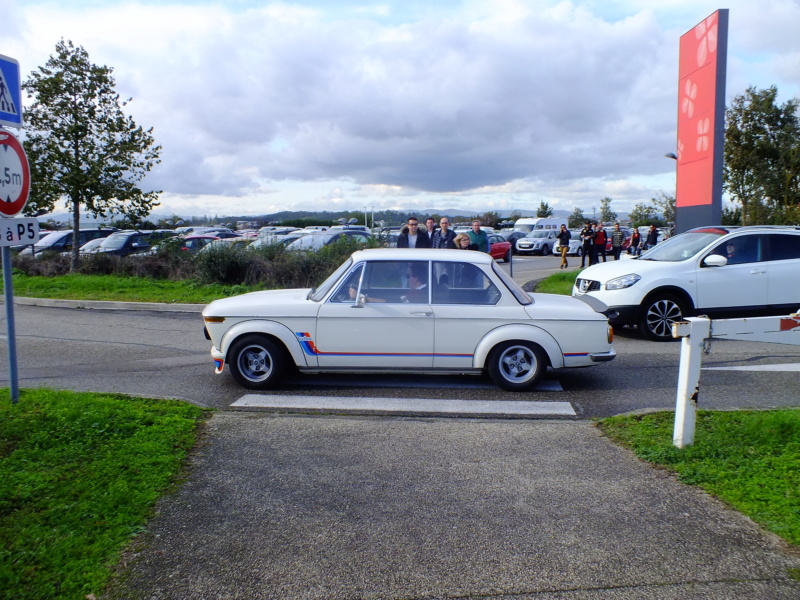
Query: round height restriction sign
(15, 175)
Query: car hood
(558, 307)
(263, 304)
(611, 270)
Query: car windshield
(683, 246)
(538, 234)
(115, 241)
(50, 240)
(521, 295)
(318, 293)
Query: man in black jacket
(414, 238)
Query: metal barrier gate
(696, 333)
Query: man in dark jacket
(444, 236)
(414, 238)
(587, 244)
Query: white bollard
(694, 332)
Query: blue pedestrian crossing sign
(10, 93)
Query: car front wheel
(516, 366)
(256, 362)
(658, 314)
(545, 250)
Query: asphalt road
(166, 355)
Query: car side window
(343, 293)
(740, 250)
(462, 283)
(395, 282)
(784, 246)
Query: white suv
(716, 271)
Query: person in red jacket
(599, 243)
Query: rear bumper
(603, 356)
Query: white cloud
(480, 104)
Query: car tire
(507, 257)
(256, 362)
(658, 314)
(579, 252)
(516, 366)
(545, 250)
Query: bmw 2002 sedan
(418, 311)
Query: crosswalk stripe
(787, 368)
(416, 406)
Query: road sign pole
(8, 291)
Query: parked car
(234, 242)
(511, 236)
(194, 243)
(575, 244)
(315, 241)
(697, 273)
(472, 318)
(121, 243)
(499, 248)
(540, 241)
(61, 241)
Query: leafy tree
(576, 219)
(515, 215)
(81, 146)
(643, 214)
(664, 204)
(762, 156)
(490, 219)
(606, 214)
(731, 215)
(544, 210)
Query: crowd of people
(594, 239)
(413, 236)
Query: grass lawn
(79, 476)
(131, 289)
(748, 459)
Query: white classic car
(419, 311)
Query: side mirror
(361, 300)
(715, 260)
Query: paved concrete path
(328, 508)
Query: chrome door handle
(424, 313)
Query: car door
(390, 328)
(466, 303)
(783, 283)
(739, 285)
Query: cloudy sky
(417, 105)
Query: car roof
(422, 254)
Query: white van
(529, 224)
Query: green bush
(269, 266)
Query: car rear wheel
(659, 312)
(256, 362)
(507, 257)
(517, 366)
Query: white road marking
(786, 368)
(407, 405)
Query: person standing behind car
(413, 239)
(587, 243)
(652, 238)
(617, 241)
(430, 229)
(600, 240)
(636, 242)
(463, 242)
(444, 237)
(564, 236)
(478, 236)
